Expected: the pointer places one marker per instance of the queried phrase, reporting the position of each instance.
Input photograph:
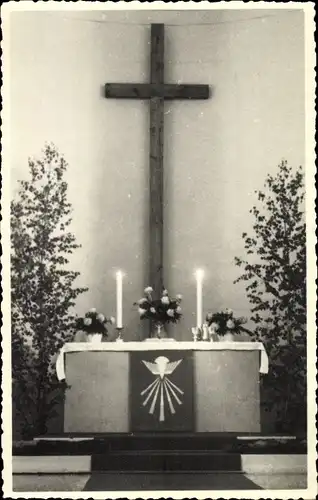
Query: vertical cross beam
(156, 91)
(156, 162)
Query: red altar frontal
(162, 386)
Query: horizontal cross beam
(150, 90)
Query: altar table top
(159, 345)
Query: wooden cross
(156, 91)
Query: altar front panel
(222, 388)
(161, 395)
(98, 398)
(227, 391)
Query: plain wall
(217, 152)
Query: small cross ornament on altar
(205, 332)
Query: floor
(136, 482)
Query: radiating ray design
(172, 410)
(153, 404)
(162, 407)
(149, 386)
(173, 393)
(162, 387)
(156, 383)
(175, 386)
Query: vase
(159, 333)
(227, 337)
(94, 338)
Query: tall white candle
(199, 278)
(119, 298)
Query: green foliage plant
(275, 275)
(43, 290)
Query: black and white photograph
(159, 267)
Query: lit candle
(119, 298)
(199, 277)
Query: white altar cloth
(158, 345)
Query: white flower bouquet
(163, 310)
(224, 321)
(94, 322)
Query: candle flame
(199, 273)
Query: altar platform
(190, 387)
(163, 455)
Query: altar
(131, 387)
(127, 387)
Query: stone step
(187, 463)
(166, 461)
(187, 485)
(153, 443)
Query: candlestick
(119, 298)
(199, 278)
(120, 333)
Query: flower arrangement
(224, 321)
(94, 322)
(163, 310)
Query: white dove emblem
(162, 385)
